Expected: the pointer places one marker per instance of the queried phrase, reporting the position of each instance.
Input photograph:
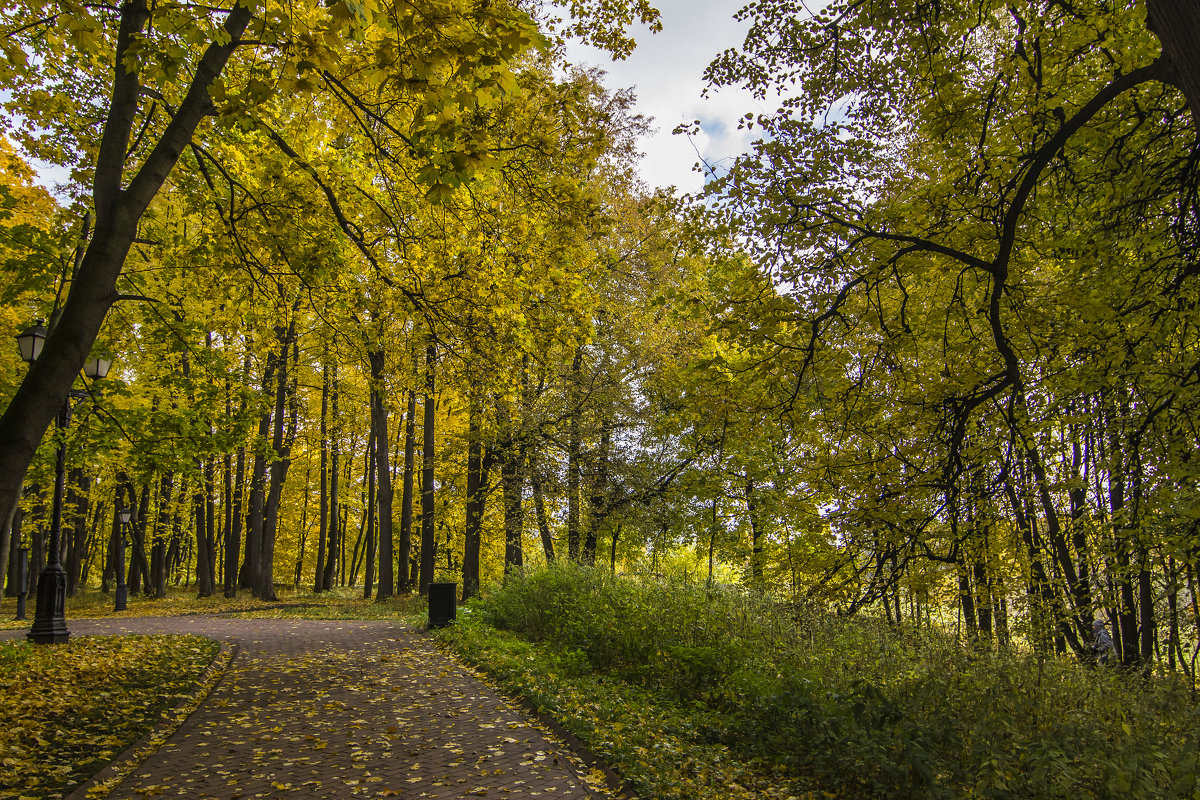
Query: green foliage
(69, 709)
(858, 706)
(657, 746)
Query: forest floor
(335, 708)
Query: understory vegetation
(691, 693)
(71, 709)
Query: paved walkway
(332, 709)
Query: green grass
(69, 709)
(341, 603)
(676, 686)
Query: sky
(666, 72)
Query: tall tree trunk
(514, 455)
(204, 574)
(10, 542)
(233, 514)
(574, 461)
(428, 453)
(319, 584)
(331, 557)
(369, 512)
(472, 530)
(598, 494)
(406, 500)
(158, 551)
(256, 515)
(383, 470)
(539, 508)
(119, 201)
(756, 533)
(78, 496)
(512, 477)
(281, 447)
(233, 540)
(303, 525)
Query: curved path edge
(101, 784)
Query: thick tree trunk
(1176, 23)
(119, 203)
(428, 454)
(256, 513)
(281, 446)
(383, 470)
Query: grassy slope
(698, 696)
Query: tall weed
(866, 708)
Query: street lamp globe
(124, 514)
(97, 366)
(30, 341)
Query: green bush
(863, 707)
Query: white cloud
(666, 71)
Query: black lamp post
(123, 515)
(49, 621)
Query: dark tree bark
(323, 525)
(574, 462)
(428, 453)
(79, 488)
(204, 569)
(1176, 23)
(512, 485)
(539, 508)
(158, 551)
(406, 501)
(331, 556)
(119, 204)
(756, 532)
(256, 513)
(598, 494)
(233, 514)
(383, 470)
(282, 433)
(369, 516)
(9, 544)
(475, 501)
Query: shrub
(861, 706)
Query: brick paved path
(318, 709)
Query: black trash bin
(442, 609)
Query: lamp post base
(49, 621)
